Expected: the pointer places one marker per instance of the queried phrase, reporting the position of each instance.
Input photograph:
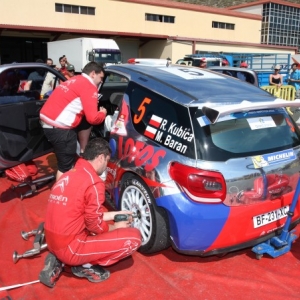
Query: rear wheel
(151, 220)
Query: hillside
(223, 3)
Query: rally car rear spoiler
(214, 112)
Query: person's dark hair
(92, 66)
(61, 58)
(294, 64)
(96, 147)
(39, 60)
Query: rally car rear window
(246, 136)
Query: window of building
(86, 10)
(58, 7)
(223, 25)
(284, 24)
(159, 18)
(67, 8)
(74, 9)
(83, 10)
(229, 26)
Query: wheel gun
(124, 217)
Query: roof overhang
(56, 32)
(222, 42)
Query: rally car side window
(161, 120)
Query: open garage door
(22, 49)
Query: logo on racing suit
(61, 184)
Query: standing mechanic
(76, 228)
(62, 113)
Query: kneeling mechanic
(76, 228)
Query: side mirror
(91, 56)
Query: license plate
(270, 216)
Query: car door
(21, 135)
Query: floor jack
(279, 245)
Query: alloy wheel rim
(133, 200)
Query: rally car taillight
(199, 185)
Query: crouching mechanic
(76, 228)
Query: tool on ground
(279, 245)
(4, 288)
(28, 253)
(26, 235)
(38, 243)
(34, 185)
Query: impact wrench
(124, 217)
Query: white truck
(80, 51)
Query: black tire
(152, 221)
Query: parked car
(207, 163)
(243, 74)
(21, 136)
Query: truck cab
(105, 56)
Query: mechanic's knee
(135, 238)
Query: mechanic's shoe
(52, 269)
(93, 274)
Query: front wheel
(150, 220)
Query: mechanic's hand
(110, 215)
(122, 224)
(102, 109)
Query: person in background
(49, 62)
(77, 231)
(294, 79)
(35, 79)
(225, 62)
(276, 78)
(243, 64)
(47, 86)
(63, 68)
(66, 60)
(63, 112)
(202, 64)
(70, 71)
